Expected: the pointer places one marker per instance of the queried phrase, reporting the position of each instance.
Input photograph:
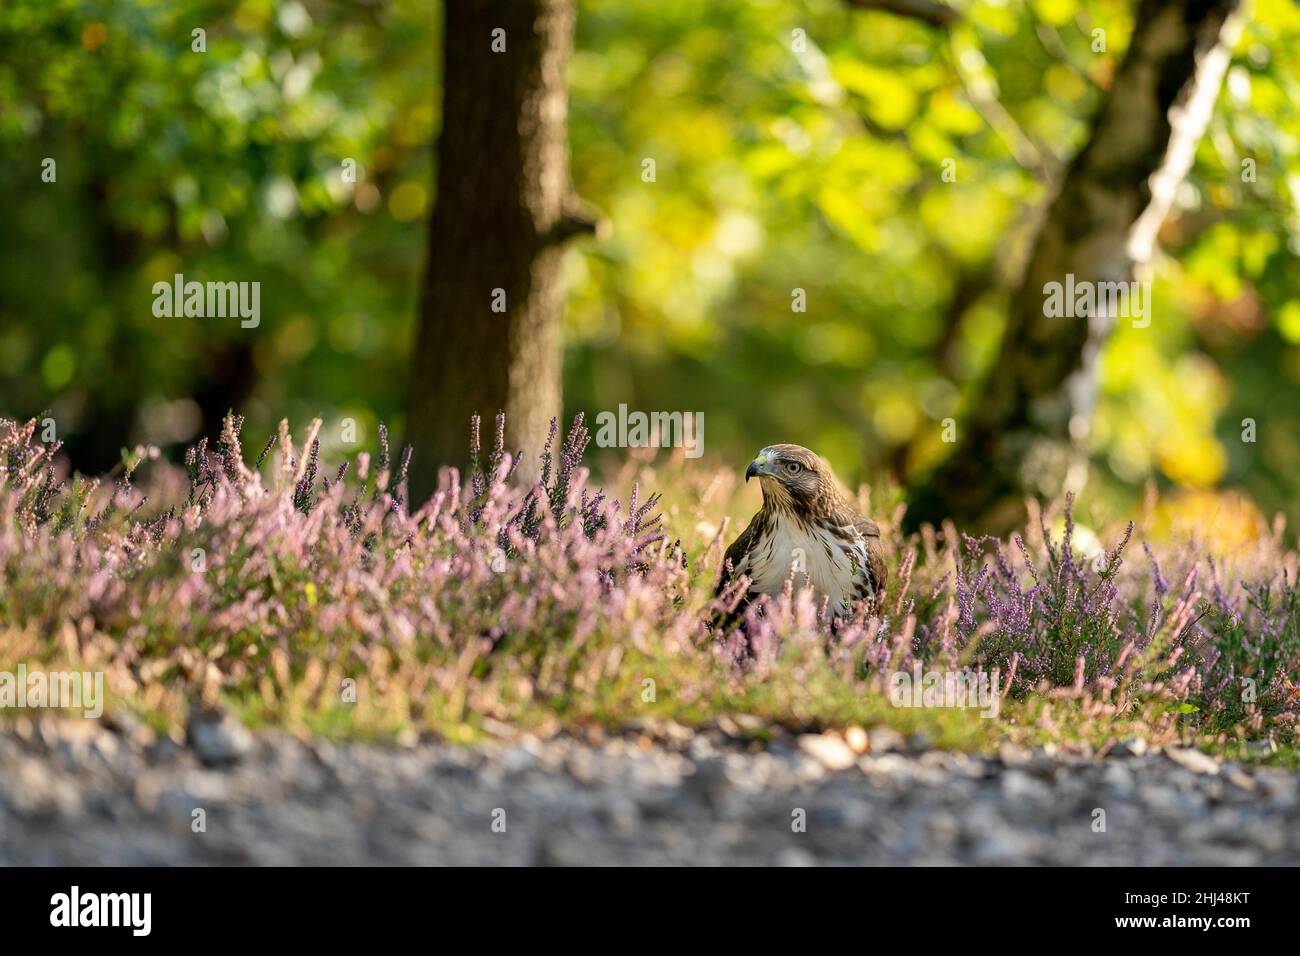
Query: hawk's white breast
(831, 568)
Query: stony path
(80, 793)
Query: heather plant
(255, 576)
(1247, 655)
(1062, 620)
(273, 586)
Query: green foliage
(221, 164)
(785, 160)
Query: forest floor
(289, 670)
(93, 792)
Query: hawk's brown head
(807, 528)
(793, 479)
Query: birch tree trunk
(1027, 432)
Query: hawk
(806, 527)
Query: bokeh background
(775, 170)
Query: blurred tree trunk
(1028, 428)
(489, 334)
(930, 11)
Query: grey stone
(217, 738)
(1193, 760)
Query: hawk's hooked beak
(756, 467)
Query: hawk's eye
(793, 468)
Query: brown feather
(806, 502)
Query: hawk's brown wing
(870, 532)
(737, 555)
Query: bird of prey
(806, 527)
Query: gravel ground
(80, 792)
